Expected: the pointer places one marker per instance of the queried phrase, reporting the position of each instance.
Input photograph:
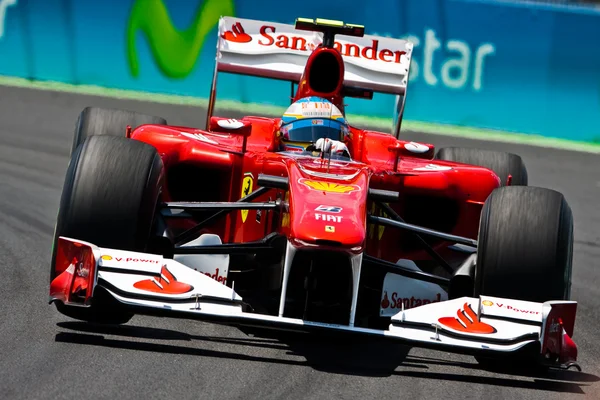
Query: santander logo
(466, 321)
(237, 34)
(166, 283)
(285, 40)
(397, 301)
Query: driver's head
(310, 119)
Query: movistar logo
(174, 50)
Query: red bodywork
(221, 164)
(321, 209)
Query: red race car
(305, 222)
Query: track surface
(46, 355)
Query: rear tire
(503, 164)
(525, 248)
(109, 199)
(95, 121)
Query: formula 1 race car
(307, 223)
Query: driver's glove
(335, 146)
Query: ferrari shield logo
(247, 184)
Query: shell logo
(329, 187)
(487, 303)
(106, 257)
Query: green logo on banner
(175, 51)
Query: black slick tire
(503, 164)
(525, 247)
(95, 121)
(109, 198)
(525, 252)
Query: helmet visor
(311, 130)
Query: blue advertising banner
(509, 66)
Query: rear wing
(280, 51)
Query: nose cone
(329, 209)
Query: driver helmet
(310, 119)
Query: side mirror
(232, 127)
(411, 149)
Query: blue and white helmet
(312, 118)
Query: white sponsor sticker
(516, 309)
(133, 261)
(199, 136)
(433, 167)
(230, 123)
(215, 266)
(280, 51)
(252, 37)
(415, 147)
(329, 209)
(399, 291)
(328, 218)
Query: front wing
(151, 284)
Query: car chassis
(484, 326)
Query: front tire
(525, 248)
(525, 252)
(109, 198)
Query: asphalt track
(44, 355)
